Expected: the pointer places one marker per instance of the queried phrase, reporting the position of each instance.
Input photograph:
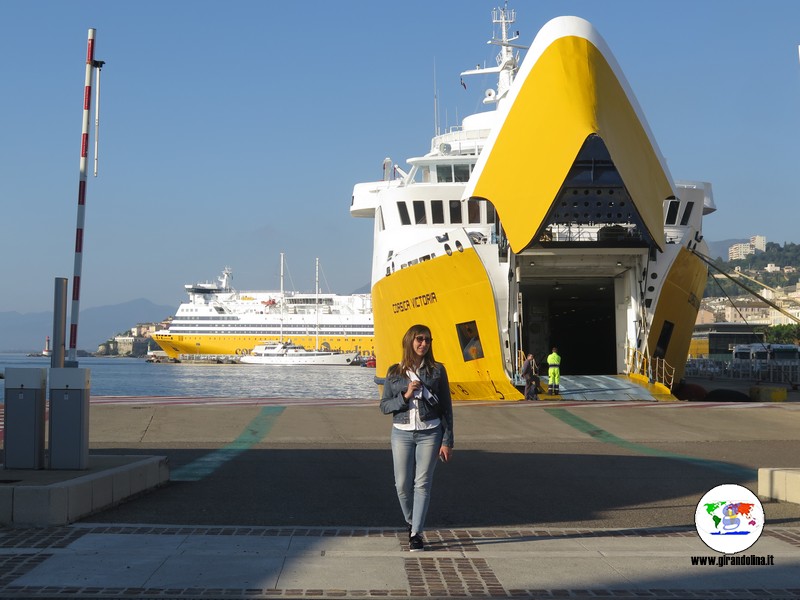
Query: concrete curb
(39, 502)
(779, 484)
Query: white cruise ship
(219, 320)
(550, 219)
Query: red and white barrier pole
(76, 279)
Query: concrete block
(120, 484)
(6, 505)
(792, 493)
(157, 471)
(102, 492)
(40, 505)
(162, 476)
(138, 478)
(771, 483)
(779, 484)
(764, 393)
(80, 500)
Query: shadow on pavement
(354, 488)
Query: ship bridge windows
(687, 213)
(672, 212)
(437, 212)
(405, 219)
(455, 211)
(473, 211)
(379, 219)
(453, 173)
(420, 218)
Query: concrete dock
(278, 498)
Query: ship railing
(656, 370)
(783, 372)
(591, 232)
(457, 136)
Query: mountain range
(26, 332)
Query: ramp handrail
(657, 370)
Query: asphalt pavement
(273, 498)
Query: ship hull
(569, 232)
(187, 345)
(453, 296)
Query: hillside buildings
(740, 251)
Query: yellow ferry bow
(567, 93)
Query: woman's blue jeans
(414, 454)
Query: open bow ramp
(606, 388)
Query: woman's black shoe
(415, 544)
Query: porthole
(448, 249)
(459, 247)
(653, 275)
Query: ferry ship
(218, 320)
(549, 220)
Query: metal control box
(25, 414)
(69, 418)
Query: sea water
(136, 377)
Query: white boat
(218, 320)
(287, 353)
(551, 220)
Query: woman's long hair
(409, 360)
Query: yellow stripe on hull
(442, 293)
(177, 344)
(678, 304)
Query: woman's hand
(412, 389)
(445, 453)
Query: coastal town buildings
(136, 341)
(743, 250)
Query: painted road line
(255, 431)
(602, 435)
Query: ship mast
(507, 60)
(316, 302)
(283, 298)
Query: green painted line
(602, 435)
(255, 431)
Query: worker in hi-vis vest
(553, 371)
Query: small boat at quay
(287, 353)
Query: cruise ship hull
(186, 345)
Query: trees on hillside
(784, 334)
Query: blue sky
(234, 131)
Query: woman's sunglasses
(423, 338)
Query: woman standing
(417, 394)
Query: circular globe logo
(729, 518)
